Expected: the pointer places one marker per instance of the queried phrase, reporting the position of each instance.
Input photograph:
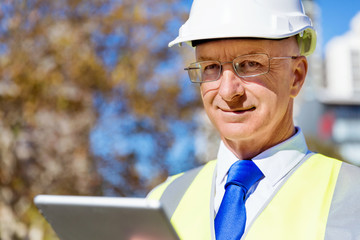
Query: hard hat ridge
(271, 19)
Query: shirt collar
(275, 162)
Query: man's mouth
(245, 110)
(241, 110)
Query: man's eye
(247, 66)
(250, 64)
(253, 64)
(212, 67)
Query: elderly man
(265, 184)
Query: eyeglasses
(245, 66)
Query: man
(251, 64)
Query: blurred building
(342, 85)
(340, 93)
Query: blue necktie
(231, 217)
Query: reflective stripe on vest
(191, 218)
(301, 209)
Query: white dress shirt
(275, 163)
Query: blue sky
(336, 16)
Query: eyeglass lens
(244, 66)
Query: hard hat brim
(306, 39)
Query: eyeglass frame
(233, 65)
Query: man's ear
(300, 68)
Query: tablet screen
(105, 218)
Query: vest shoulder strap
(176, 189)
(185, 195)
(173, 189)
(344, 215)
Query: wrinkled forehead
(217, 49)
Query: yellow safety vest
(309, 205)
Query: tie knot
(244, 173)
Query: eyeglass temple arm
(191, 68)
(292, 57)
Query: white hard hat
(271, 19)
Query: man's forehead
(233, 47)
(214, 49)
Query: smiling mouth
(240, 110)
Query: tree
(66, 65)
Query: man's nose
(231, 85)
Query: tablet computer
(105, 218)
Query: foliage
(62, 64)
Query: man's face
(247, 109)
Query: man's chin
(236, 131)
